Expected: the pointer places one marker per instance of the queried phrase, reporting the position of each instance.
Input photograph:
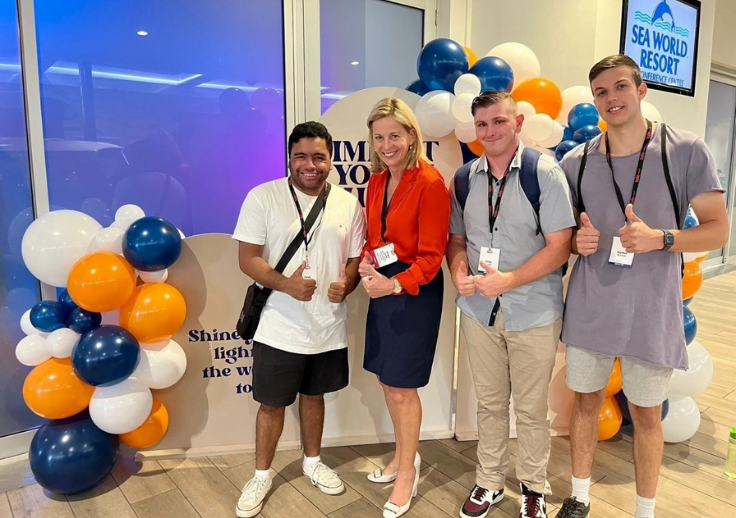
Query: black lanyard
(384, 209)
(301, 216)
(637, 177)
(493, 212)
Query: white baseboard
(16, 444)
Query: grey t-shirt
(634, 311)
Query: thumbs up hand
(587, 236)
(298, 287)
(637, 237)
(463, 282)
(337, 291)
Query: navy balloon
(691, 324)
(623, 404)
(48, 316)
(81, 321)
(105, 356)
(151, 244)
(584, 134)
(494, 73)
(563, 148)
(567, 135)
(72, 455)
(440, 63)
(687, 302)
(583, 114)
(665, 408)
(66, 301)
(418, 88)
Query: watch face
(669, 239)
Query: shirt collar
(515, 162)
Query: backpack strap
(530, 181)
(461, 181)
(667, 176)
(581, 205)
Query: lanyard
(637, 177)
(301, 216)
(493, 212)
(384, 209)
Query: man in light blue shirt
(510, 231)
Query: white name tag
(619, 255)
(385, 255)
(490, 256)
(309, 272)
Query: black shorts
(279, 375)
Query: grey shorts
(645, 384)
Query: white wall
(724, 35)
(569, 36)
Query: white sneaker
(251, 499)
(324, 478)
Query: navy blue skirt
(401, 332)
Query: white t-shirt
(268, 217)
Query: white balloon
(650, 112)
(26, 326)
(61, 342)
(554, 138)
(434, 113)
(181, 233)
(111, 317)
(159, 276)
(682, 421)
(523, 62)
(161, 367)
(108, 240)
(692, 256)
(127, 214)
(121, 408)
(525, 139)
(467, 84)
(461, 107)
(539, 127)
(32, 350)
(571, 97)
(54, 242)
(526, 109)
(697, 378)
(465, 131)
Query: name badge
(309, 272)
(619, 256)
(384, 256)
(490, 256)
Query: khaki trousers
(519, 364)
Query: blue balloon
(563, 148)
(418, 88)
(691, 324)
(690, 221)
(72, 455)
(665, 408)
(567, 135)
(65, 299)
(584, 134)
(81, 321)
(687, 302)
(48, 316)
(623, 404)
(494, 73)
(151, 244)
(440, 63)
(583, 114)
(105, 356)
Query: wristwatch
(669, 240)
(397, 287)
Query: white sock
(264, 473)
(309, 462)
(580, 488)
(644, 507)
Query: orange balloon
(541, 93)
(609, 419)
(701, 258)
(692, 279)
(151, 431)
(52, 390)
(472, 56)
(154, 313)
(476, 147)
(616, 381)
(101, 281)
(603, 125)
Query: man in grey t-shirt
(624, 298)
(511, 314)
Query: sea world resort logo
(662, 18)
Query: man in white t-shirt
(300, 345)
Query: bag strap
(298, 239)
(461, 181)
(667, 176)
(581, 205)
(530, 181)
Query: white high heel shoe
(392, 510)
(379, 477)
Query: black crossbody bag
(256, 296)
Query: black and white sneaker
(479, 502)
(573, 508)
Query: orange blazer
(417, 223)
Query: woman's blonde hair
(401, 113)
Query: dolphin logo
(659, 12)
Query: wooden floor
(691, 483)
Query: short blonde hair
(401, 113)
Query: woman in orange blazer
(408, 216)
